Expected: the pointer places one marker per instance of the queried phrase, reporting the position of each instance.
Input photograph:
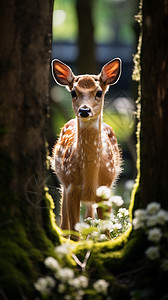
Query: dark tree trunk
(154, 103)
(86, 59)
(25, 45)
(25, 60)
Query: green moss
(52, 230)
(16, 261)
(23, 244)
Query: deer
(86, 155)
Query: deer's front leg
(102, 213)
(89, 212)
(73, 206)
(64, 212)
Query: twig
(82, 265)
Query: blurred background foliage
(87, 34)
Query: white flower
(140, 217)
(79, 295)
(105, 225)
(152, 208)
(52, 263)
(123, 212)
(61, 288)
(81, 226)
(83, 281)
(116, 200)
(162, 216)
(102, 238)
(117, 226)
(164, 264)
(65, 274)
(64, 249)
(137, 223)
(154, 234)
(95, 234)
(151, 221)
(140, 214)
(44, 284)
(103, 192)
(107, 203)
(67, 297)
(101, 286)
(79, 282)
(152, 252)
(95, 222)
(88, 220)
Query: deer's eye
(99, 94)
(73, 94)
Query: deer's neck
(89, 139)
(89, 143)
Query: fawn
(86, 155)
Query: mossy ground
(22, 253)
(23, 244)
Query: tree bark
(154, 103)
(25, 60)
(25, 50)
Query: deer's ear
(62, 74)
(111, 72)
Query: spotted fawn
(86, 155)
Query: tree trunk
(154, 103)
(86, 58)
(25, 33)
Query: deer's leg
(64, 212)
(89, 212)
(73, 205)
(102, 213)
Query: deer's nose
(84, 112)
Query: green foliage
(106, 17)
(66, 30)
(121, 124)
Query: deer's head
(87, 91)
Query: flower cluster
(153, 220)
(69, 283)
(104, 230)
(113, 226)
(65, 282)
